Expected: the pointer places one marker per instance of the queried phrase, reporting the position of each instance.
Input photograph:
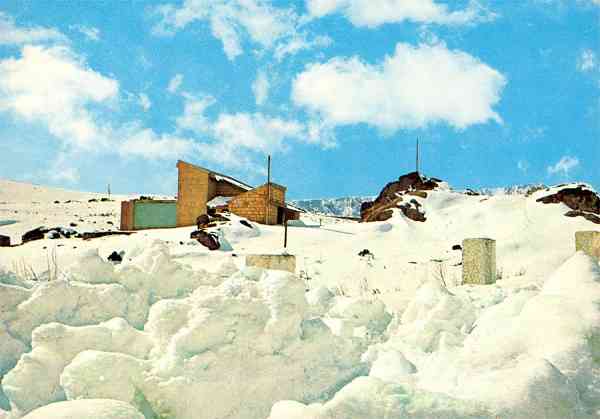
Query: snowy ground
(179, 332)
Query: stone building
(199, 189)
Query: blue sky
(337, 91)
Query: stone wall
(253, 204)
(479, 261)
(192, 193)
(277, 262)
(588, 242)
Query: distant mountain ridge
(340, 207)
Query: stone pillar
(588, 242)
(479, 261)
(277, 262)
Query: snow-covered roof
(223, 178)
(293, 207)
(218, 201)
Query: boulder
(578, 199)
(209, 240)
(35, 234)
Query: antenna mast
(417, 155)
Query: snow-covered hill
(341, 207)
(176, 331)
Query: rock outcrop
(582, 201)
(397, 195)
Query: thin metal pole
(417, 155)
(268, 208)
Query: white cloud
(10, 34)
(144, 101)
(234, 21)
(193, 118)
(54, 86)
(412, 88)
(90, 32)
(300, 43)
(175, 83)
(372, 13)
(144, 142)
(587, 60)
(564, 165)
(260, 87)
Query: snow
(178, 331)
(218, 201)
(223, 178)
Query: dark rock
(246, 223)
(105, 200)
(471, 192)
(146, 198)
(590, 217)
(578, 199)
(92, 200)
(115, 257)
(73, 224)
(110, 222)
(35, 234)
(365, 252)
(202, 221)
(57, 202)
(209, 240)
(412, 213)
(4, 241)
(457, 247)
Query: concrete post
(588, 242)
(479, 261)
(277, 262)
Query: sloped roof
(220, 177)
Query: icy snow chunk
(35, 379)
(369, 313)
(435, 319)
(71, 303)
(103, 375)
(319, 299)
(91, 268)
(243, 345)
(369, 397)
(86, 409)
(391, 365)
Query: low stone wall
(277, 262)
(588, 242)
(479, 261)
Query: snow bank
(232, 348)
(482, 352)
(35, 380)
(86, 409)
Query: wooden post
(285, 230)
(109, 191)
